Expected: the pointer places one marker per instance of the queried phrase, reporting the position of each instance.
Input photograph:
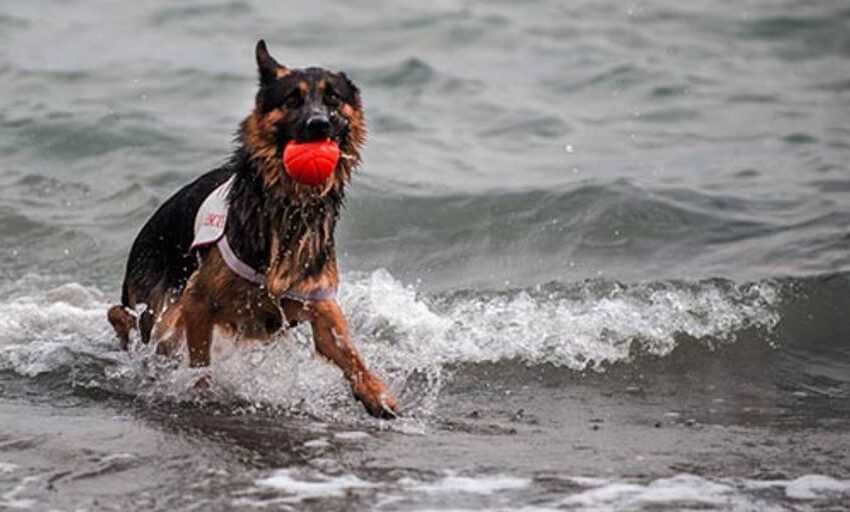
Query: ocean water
(600, 250)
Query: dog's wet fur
(281, 228)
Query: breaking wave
(60, 334)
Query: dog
(274, 262)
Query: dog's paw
(377, 399)
(203, 384)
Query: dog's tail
(125, 295)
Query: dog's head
(302, 105)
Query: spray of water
(411, 339)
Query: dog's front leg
(330, 333)
(198, 319)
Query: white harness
(210, 222)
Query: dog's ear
(269, 68)
(355, 92)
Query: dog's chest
(288, 260)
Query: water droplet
(568, 148)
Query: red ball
(310, 163)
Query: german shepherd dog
(282, 229)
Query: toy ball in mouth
(310, 163)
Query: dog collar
(210, 222)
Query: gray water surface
(599, 249)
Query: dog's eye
(331, 97)
(293, 99)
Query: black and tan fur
(279, 227)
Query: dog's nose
(318, 126)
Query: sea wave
(680, 491)
(416, 340)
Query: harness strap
(245, 271)
(210, 223)
(317, 295)
(238, 266)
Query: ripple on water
(798, 35)
(77, 139)
(179, 15)
(800, 138)
(618, 77)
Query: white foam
(299, 485)
(480, 484)
(587, 327)
(806, 487)
(695, 492)
(43, 331)
(401, 334)
(317, 443)
(12, 499)
(316, 485)
(587, 481)
(351, 436)
(810, 487)
(678, 492)
(681, 491)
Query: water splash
(408, 338)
